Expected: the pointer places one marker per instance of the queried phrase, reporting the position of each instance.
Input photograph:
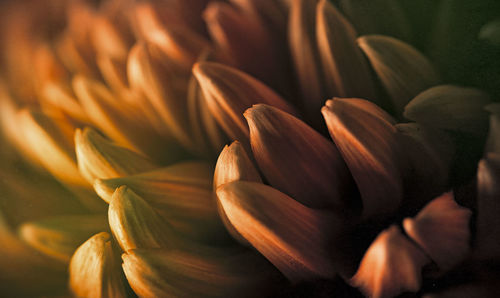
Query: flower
(122, 107)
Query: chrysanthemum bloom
(124, 68)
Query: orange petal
(450, 107)
(304, 52)
(403, 71)
(244, 40)
(296, 159)
(229, 92)
(295, 238)
(392, 265)
(346, 71)
(233, 165)
(155, 79)
(367, 141)
(442, 230)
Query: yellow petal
(49, 140)
(58, 237)
(229, 92)
(391, 266)
(21, 264)
(208, 272)
(58, 95)
(367, 141)
(95, 270)
(452, 108)
(135, 224)
(295, 238)
(233, 165)
(181, 193)
(296, 159)
(346, 71)
(100, 158)
(403, 71)
(119, 120)
(488, 207)
(442, 230)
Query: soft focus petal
(58, 237)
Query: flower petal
(233, 165)
(95, 271)
(181, 193)
(99, 158)
(118, 120)
(403, 71)
(135, 224)
(58, 237)
(392, 265)
(296, 159)
(290, 235)
(430, 154)
(305, 56)
(450, 107)
(367, 141)
(229, 92)
(208, 272)
(488, 207)
(346, 71)
(442, 230)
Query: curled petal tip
(442, 230)
(391, 265)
